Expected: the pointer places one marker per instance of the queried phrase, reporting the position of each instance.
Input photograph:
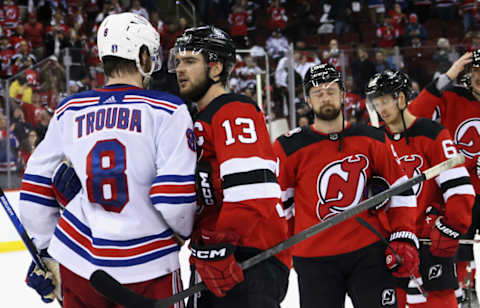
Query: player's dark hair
(116, 66)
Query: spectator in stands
(415, 30)
(376, 9)
(35, 33)
(332, 54)
(399, 21)
(276, 16)
(339, 12)
(423, 9)
(468, 9)
(32, 111)
(248, 72)
(446, 10)
(138, 9)
(356, 17)
(19, 126)
(327, 23)
(170, 36)
(351, 107)
(116, 7)
(11, 16)
(417, 63)
(20, 91)
(387, 36)
(107, 10)
(158, 24)
(238, 20)
(27, 146)
(443, 57)
(42, 126)
(276, 45)
(6, 163)
(380, 62)
(6, 54)
(304, 20)
(362, 70)
(18, 36)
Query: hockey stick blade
(303, 235)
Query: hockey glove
(431, 215)
(404, 261)
(47, 284)
(66, 183)
(444, 239)
(215, 262)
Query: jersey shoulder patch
(298, 138)
(358, 129)
(425, 127)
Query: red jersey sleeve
(402, 210)
(286, 179)
(429, 103)
(455, 184)
(247, 167)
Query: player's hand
(444, 239)
(215, 262)
(459, 65)
(404, 260)
(431, 215)
(47, 284)
(66, 183)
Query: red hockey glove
(215, 262)
(405, 246)
(444, 239)
(431, 215)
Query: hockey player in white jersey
(134, 153)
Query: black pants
(265, 286)
(324, 281)
(465, 252)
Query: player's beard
(327, 113)
(197, 91)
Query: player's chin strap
(402, 112)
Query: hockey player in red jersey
(444, 204)
(324, 169)
(239, 213)
(458, 109)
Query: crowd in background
(362, 37)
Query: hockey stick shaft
(428, 241)
(103, 282)
(21, 231)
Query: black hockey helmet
(476, 58)
(213, 42)
(389, 82)
(321, 73)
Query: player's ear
(402, 101)
(216, 69)
(145, 60)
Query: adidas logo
(110, 100)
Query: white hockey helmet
(122, 35)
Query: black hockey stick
(114, 291)
(24, 235)
(428, 241)
(397, 256)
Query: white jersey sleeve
(39, 210)
(173, 190)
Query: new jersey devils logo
(412, 164)
(340, 185)
(467, 137)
